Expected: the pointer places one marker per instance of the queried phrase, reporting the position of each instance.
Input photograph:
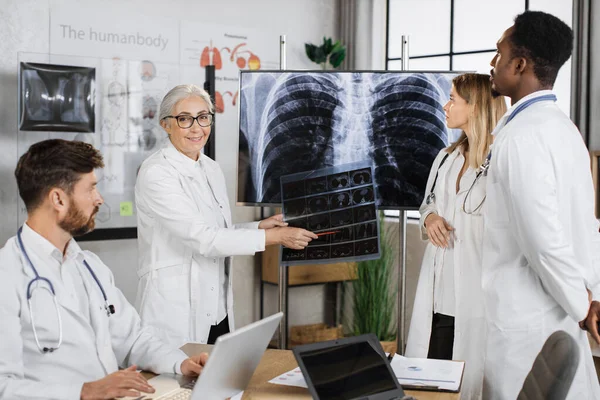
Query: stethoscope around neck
(430, 199)
(483, 169)
(110, 309)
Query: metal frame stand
(283, 272)
(400, 333)
(209, 86)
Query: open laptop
(228, 370)
(348, 368)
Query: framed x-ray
(56, 98)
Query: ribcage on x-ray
(408, 132)
(307, 121)
(299, 129)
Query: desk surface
(276, 362)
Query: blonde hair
(485, 112)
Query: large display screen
(296, 121)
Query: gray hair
(179, 93)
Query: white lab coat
(469, 334)
(94, 344)
(540, 246)
(179, 233)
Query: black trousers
(218, 330)
(442, 337)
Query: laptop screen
(347, 371)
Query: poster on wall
(230, 49)
(136, 61)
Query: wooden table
(276, 362)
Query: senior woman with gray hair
(185, 233)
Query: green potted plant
(372, 298)
(328, 53)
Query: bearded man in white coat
(66, 328)
(540, 231)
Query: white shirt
(93, 343)
(443, 291)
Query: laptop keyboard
(183, 393)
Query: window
(465, 34)
(461, 35)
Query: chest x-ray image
(56, 98)
(294, 121)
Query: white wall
(25, 28)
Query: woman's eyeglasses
(186, 121)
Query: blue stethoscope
(483, 170)
(110, 309)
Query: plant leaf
(310, 51)
(327, 46)
(337, 56)
(320, 56)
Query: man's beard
(496, 94)
(76, 223)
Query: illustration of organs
(205, 57)
(301, 121)
(219, 104)
(253, 62)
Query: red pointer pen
(327, 233)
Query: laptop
(348, 368)
(228, 370)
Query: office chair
(553, 370)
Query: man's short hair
(53, 163)
(543, 39)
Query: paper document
(237, 396)
(290, 378)
(428, 373)
(417, 373)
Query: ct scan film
(294, 121)
(339, 205)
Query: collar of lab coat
(48, 253)
(36, 243)
(180, 161)
(502, 121)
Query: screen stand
(283, 272)
(401, 329)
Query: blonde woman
(448, 316)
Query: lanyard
(547, 97)
(525, 104)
